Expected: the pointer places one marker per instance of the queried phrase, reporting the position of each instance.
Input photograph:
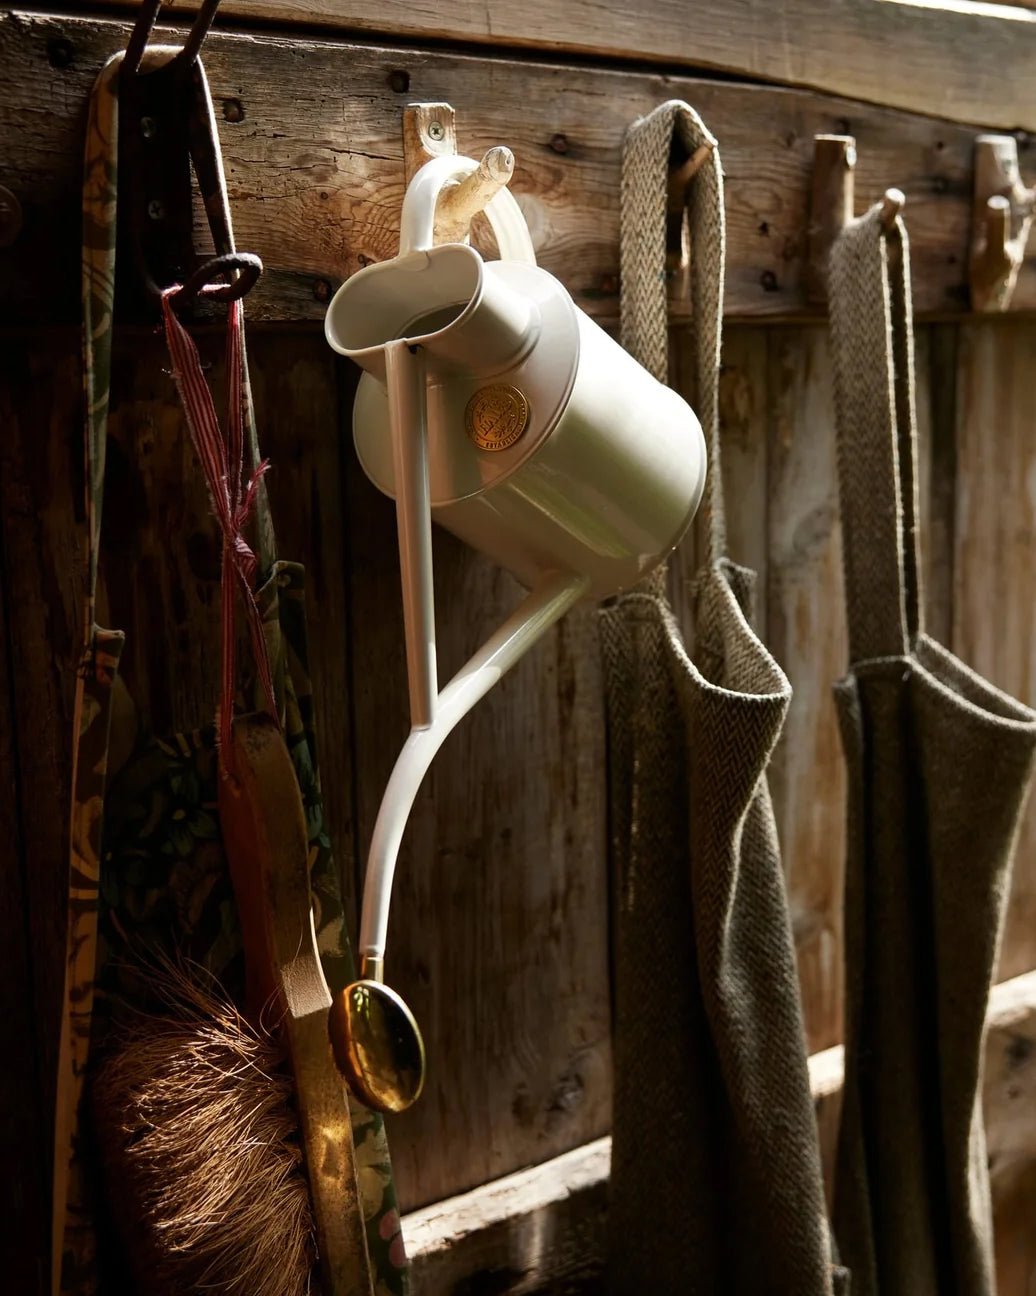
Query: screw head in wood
(436, 130)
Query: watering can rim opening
(399, 264)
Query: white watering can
(493, 404)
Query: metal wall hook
(1002, 214)
(832, 205)
(166, 128)
(145, 24)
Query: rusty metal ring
(248, 266)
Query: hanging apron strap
(71, 1229)
(100, 198)
(872, 336)
(645, 308)
(715, 1165)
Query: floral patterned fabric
(147, 868)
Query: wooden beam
(540, 1226)
(311, 132)
(547, 1225)
(967, 62)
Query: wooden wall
(499, 930)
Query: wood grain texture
(22, 1118)
(498, 937)
(40, 492)
(541, 1229)
(544, 1229)
(160, 575)
(994, 565)
(806, 632)
(967, 63)
(315, 166)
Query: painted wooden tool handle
(264, 834)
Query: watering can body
(549, 447)
(490, 402)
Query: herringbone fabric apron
(939, 763)
(716, 1181)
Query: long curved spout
(550, 599)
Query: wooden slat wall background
(964, 62)
(499, 932)
(315, 170)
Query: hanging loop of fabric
(877, 437)
(645, 307)
(707, 1024)
(233, 499)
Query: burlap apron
(716, 1181)
(147, 870)
(939, 763)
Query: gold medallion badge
(496, 416)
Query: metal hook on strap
(166, 132)
(145, 24)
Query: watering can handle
(417, 223)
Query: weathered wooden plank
(314, 164)
(160, 584)
(546, 1226)
(1010, 1105)
(23, 1122)
(40, 491)
(994, 563)
(964, 61)
(529, 1232)
(299, 409)
(939, 495)
(806, 632)
(499, 929)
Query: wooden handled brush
(226, 1137)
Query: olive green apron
(716, 1180)
(939, 764)
(147, 869)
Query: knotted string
(233, 500)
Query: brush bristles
(199, 1140)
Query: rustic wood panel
(316, 177)
(806, 632)
(541, 1229)
(965, 62)
(24, 1238)
(160, 569)
(938, 491)
(40, 492)
(545, 1228)
(994, 609)
(161, 555)
(499, 924)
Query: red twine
(233, 499)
